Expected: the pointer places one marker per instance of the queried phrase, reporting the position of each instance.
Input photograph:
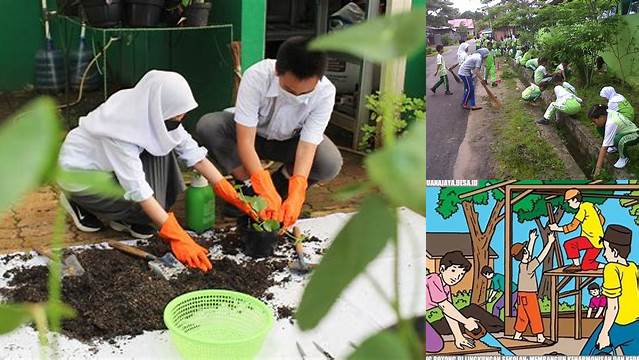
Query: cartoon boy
(453, 266)
(496, 287)
(528, 311)
(597, 301)
(620, 327)
(591, 221)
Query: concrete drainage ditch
(582, 144)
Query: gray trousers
(163, 175)
(216, 131)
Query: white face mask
(295, 99)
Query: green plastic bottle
(200, 204)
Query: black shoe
(543, 121)
(83, 220)
(448, 93)
(138, 231)
(433, 90)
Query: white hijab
(461, 52)
(609, 93)
(137, 115)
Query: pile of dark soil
(119, 295)
(490, 322)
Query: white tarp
(359, 312)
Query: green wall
(415, 81)
(630, 62)
(202, 56)
(22, 36)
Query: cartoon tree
(631, 204)
(449, 203)
(533, 208)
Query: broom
(457, 79)
(491, 95)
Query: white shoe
(612, 149)
(621, 163)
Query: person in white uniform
(282, 110)
(136, 135)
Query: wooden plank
(583, 273)
(480, 347)
(620, 187)
(554, 196)
(563, 283)
(513, 344)
(486, 188)
(521, 196)
(508, 230)
(587, 282)
(554, 310)
(578, 312)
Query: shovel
(70, 265)
(299, 265)
(166, 266)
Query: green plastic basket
(218, 324)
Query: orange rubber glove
(293, 205)
(185, 249)
(226, 191)
(263, 186)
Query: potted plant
(143, 13)
(103, 13)
(197, 12)
(258, 236)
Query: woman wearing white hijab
(462, 53)
(618, 102)
(136, 134)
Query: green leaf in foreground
(358, 243)
(271, 225)
(400, 170)
(99, 182)
(13, 315)
(380, 39)
(383, 345)
(28, 148)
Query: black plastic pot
(103, 13)
(197, 14)
(172, 12)
(143, 13)
(257, 244)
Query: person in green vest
(618, 102)
(532, 64)
(619, 134)
(528, 54)
(540, 74)
(490, 73)
(566, 102)
(532, 93)
(496, 288)
(519, 53)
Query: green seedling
(258, 204)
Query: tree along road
(446, 120)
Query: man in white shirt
(283, 107)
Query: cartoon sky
(611, 209)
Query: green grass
(460, 301)
(520, 152)
(430, 51)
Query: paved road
(445, 120)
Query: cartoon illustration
(453, 266)
(528, 312)
(591, 221)
(621, 287)
(550, 291)
(598, 302)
